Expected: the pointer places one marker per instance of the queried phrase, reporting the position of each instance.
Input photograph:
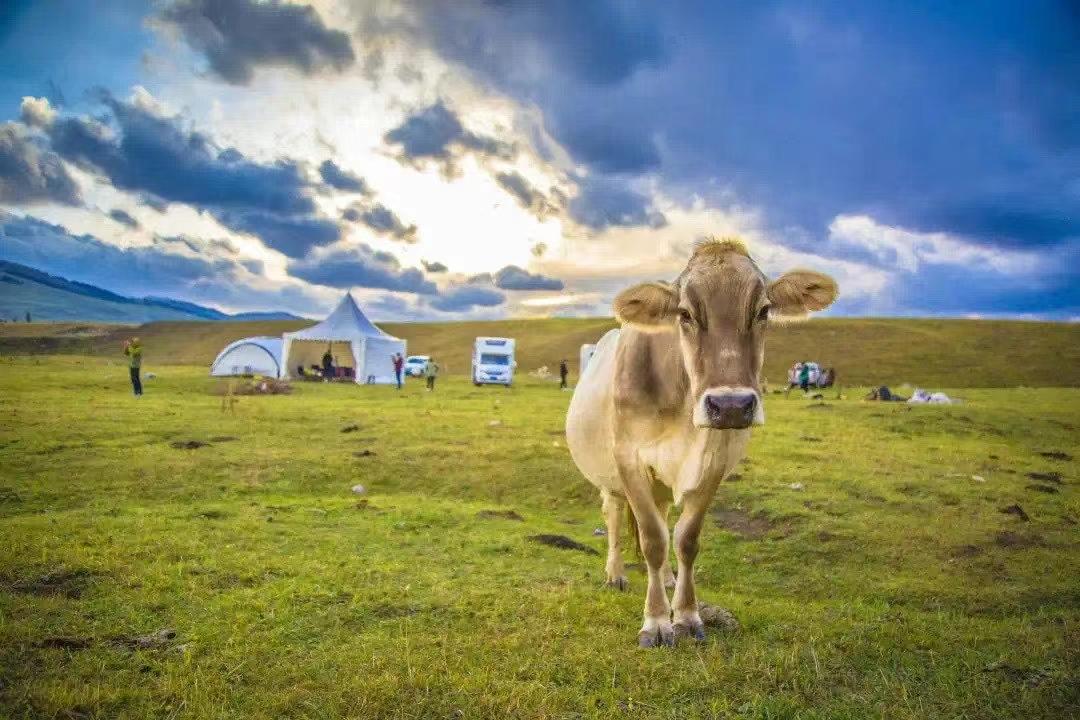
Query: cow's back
(589, 433)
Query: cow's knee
(654, 548)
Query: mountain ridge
(47, 297)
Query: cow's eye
(763, 314)
(685, 317)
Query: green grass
(865, 351)
(891, 585)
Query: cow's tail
(632, 527)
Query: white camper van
(493, 361)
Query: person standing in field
(133, 351)
(399, 367)
(431, 371)
(563, 372)
(804, 377)
(327, 364)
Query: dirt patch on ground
(350, 428)
(499, 515)
(188, 444)
(1048, 489)
(745, 525)
(1053, 477)
(60, 582)
(364, 453)
(62, 642)
(1056, 455)
(223, 438)
(819, 406)
(966, 551)
(1017, 511)
(153, 641)
(1014, 540)
(1031, 677)
(562, 543)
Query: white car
(414, 365)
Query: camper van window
(488, 359)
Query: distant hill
(865, 351)
(48, 297)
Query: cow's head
(720, 306)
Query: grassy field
(862, 547)
(865, 351)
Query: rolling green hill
(865, 351)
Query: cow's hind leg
(613, 507)
(687, 532)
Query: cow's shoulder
(649, 376)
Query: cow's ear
(796, 293)
(650, 305)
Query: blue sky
(477, 159)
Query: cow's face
(720, 307)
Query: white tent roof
(347, 322)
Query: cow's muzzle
(728, 409)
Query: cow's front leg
(687, 532)
(656, 630)
(613, 507)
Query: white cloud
(906, 250)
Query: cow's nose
(728, 411)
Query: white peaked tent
(372, 349)
(249, 356)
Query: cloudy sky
(490, 159)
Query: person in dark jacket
(328, 364)
(563, 372)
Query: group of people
(805, 375)
(430, 372)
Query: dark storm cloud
(289, 235)
(141, 270)
(123, 218)
(466, 297)
(335, 176)
(32, 174)
(604, 201)
(383, 220)
(513, 277)
(141, 151)
(433, 267)
(937, 116)
(360, 266)
(528, 196)
(432, 132)
(145, 153)
(236, 36)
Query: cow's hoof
(663, 635)
(619, 582)
(690, 629)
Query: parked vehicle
(493, 361)
(414, 365)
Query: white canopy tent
(249, 356)
(372, 349)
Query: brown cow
(663, 411)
